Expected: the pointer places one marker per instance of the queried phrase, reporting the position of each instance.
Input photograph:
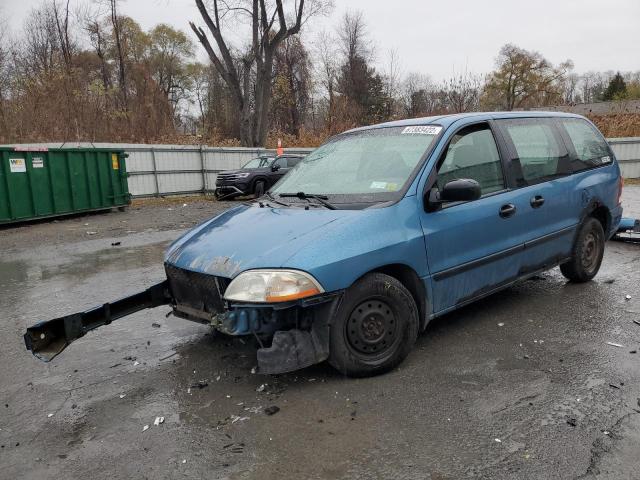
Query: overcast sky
(440, 37)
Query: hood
(249, 237)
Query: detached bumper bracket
(48, 339)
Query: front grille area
(196, 290)
(225, 178)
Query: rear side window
(292, 161)
(591, 149)
(472, 153)
(540, 155)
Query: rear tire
(259, 188)
(375, 327)
(587, 253)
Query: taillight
(620, 187)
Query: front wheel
(259, 189)
(587, 253)
(375, 327)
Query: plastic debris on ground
(50, 415)
(501, 324)
(272, 410)
(156, 325)
(497, 440)
(261, 387)
(615, 345)
(201, 384)
(628, 297)
(158, 421)
(145, 428)
(236, 418)
(122, 395)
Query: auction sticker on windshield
(422, 130)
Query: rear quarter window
(591, 149)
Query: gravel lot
(542, 396)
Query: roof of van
(447, 120)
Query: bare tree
(249, 76)
(461, 93)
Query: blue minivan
(381, 230)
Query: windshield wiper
(273, 199)
(303, 196)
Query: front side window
(371, 164)
(281, 162)
(540, 154)
(591, 149)
(472, 153)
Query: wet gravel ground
(521, 385)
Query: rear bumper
(616, 217)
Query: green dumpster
(42, 182)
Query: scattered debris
(572, 421)
(526, 357)
(184, 461)
(636, 322)
(50, 415)
(633, 351)
(145, 428)
(253, 370)
(169, 356)
(628, 297)
(272, 410)
(497, 440)
(615, 344)
(189, 391)
(158, 421)
(122, 395)
(92, 233)
(236, 418)
(261, 387)
(610, 281)
(156, 325)
(116, 244)
(201, 384)
(614, 386)
(131, 359)
(501, 324)
(607, 433)
(135, 364)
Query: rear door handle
(537, 201)
(507, 210)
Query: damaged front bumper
(292, 335)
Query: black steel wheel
(587, 252)
(374, 328)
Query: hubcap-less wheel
(589, 253)
(372, 328)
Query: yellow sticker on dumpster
(17, 165)
(114, 161)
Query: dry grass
(632, 181)
(618, 125)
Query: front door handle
(537, 201)
(507, 210)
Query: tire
(259, 188)
(375, 327)
(586, 254)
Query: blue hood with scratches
(249, 237)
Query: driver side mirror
(461, 190)
(275, 167)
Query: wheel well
(409, 278)
(601, 213)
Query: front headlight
(242, 175)
(270, 286)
